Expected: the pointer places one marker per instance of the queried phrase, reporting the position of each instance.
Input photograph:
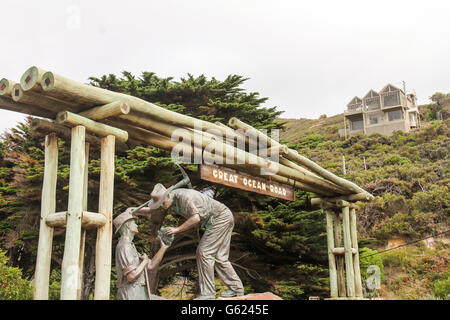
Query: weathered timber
(112, 109)
(31, 79)
(83, 230)
(48, 205)
(331, 202)
(354, 236)
(69, 272)
(44, 127)
(337, 227)
(6, 87)
(98, 128)
(348, 255)
(85, 95)
(103, 246)
(294, 183)
(296, 157)
(342, 250)
(36, 99)
(89, 220)
(7, 103)
(239, 156)
(331, 258)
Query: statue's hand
(171, 230)
(145, 258)
(165, 237)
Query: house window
(356, 125)
(391, 99)
(373, 104)
(395, 115)
(373, 119)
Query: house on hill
(384, 112)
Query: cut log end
(4, 85)
(48, 81)
(232, 121)
(125, 108)
(17, 92)
(30, 78)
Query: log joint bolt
(77, 219)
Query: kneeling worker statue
(131, 267)
(214, 247)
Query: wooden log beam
(294, 183)
(48, 205)
(103, 246)
(331, 258)
(332, 202)
(356, 266)
(83, 230)
(341, 251)
(36, 99)
(239, 156)
(62, 88)
(31, 79)
(163, 142)
(7, 103)
(70, 271)
(89, 220)
(6, 87)
(100, 129)
(348, 255)
(340, 265)
(112, 109)
(293, 155)
(44, 127)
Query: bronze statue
(214, 247)
(131, 267)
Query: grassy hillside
(409, 175)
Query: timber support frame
(343, 253)
(76, 219)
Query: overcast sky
(308, 57)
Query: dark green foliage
(210, 100)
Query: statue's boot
(231, 293)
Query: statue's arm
(134, 274)
(154, 263)
(189, 223)
(143, 210)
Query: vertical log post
(331, 260)
(48, 206)
(83, 231)
(104, 234)
(70, 270)
(349, 271)
(357, 271)
(339, 259)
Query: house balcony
(354, 111)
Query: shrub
(12, 286)
(396, 159)
(441, 289)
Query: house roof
(355, 100)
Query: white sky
(309, 57)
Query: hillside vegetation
(409, 175)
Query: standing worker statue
(214, 247)
(131, 267)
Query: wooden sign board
(244, 181)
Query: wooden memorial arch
(88, 116)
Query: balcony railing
(354, 110)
